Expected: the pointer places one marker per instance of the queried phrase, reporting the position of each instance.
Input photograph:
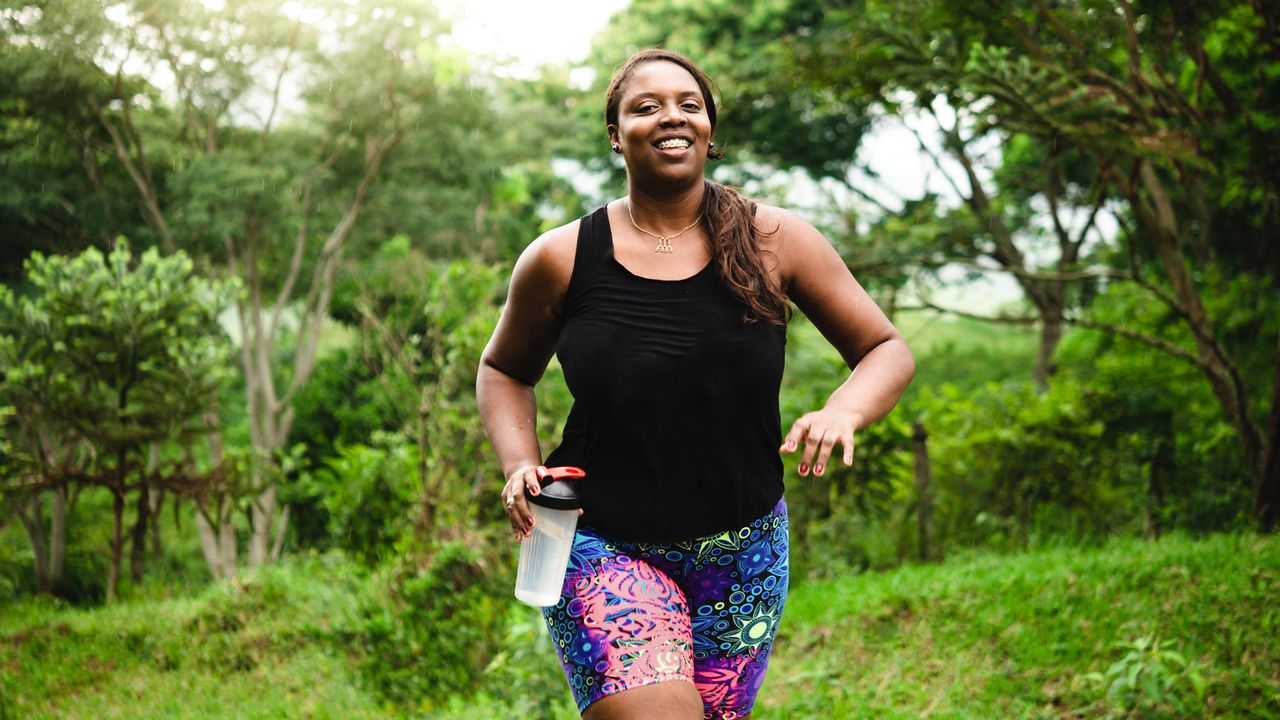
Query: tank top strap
(595, 246)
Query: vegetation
(253, 251)
(1172, 628)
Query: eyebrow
(654, 94)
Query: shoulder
(553, 251)
(546, 264)
(791, 239)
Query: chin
(677, 175)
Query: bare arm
(823, 288)
(514, 360)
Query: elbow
(909, 367)
(490, 373)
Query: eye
(646, 107)
(691, 105)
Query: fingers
(818, 433)
(519, 514)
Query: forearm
(510, 415)
(876, 383)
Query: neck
(665, 213)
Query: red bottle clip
(562, 472)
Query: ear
(613, 134)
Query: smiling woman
(674, 354)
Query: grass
(1019, 636)
(1029, 635)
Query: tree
(280, 126)
(104, 361)
(1163, 114)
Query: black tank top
(675, 414)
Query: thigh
(736, 586)
(620, 623)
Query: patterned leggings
(703, 610)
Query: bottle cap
(558, 490)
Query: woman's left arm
(820, 284)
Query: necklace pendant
(664, 245)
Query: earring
(711, 144)
(617, 147)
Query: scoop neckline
(608, 226)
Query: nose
(672, 115)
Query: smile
(673, 143)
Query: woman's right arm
(514, 360)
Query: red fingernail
(804, 468)
(817, 469)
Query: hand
(513, 499)
(819, 431)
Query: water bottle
(544, 555)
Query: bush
(367, 494)
(433, 630)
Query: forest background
(252, 250)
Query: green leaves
(1153, 677)
(112, 350)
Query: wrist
(520, 467)
(856, 418)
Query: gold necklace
(664, 241)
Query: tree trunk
(228, 553)
(1051, 330)
(31, 513)
(117, 542)
(58, 535)
(157, 504)
(1224, 378)
(1267, 507)
(209, 545)
(924, 489)
(282, 529)
(138, 536)
(264, 510)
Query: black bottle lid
(558, 489)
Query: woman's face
(663, 128)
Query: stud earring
(617, 147)
(711, 144)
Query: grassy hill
(1171, 628)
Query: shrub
(432, 631)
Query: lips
(673, 145)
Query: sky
(532, 33)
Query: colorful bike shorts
(704, 610)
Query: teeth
(675, 143)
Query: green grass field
(1166, 629)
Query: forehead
(660, 77)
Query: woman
(668, 310)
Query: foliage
(1152, 677)
(433, 632)
(367, 493)
(105, 357)
(422, 326)
(983, 636)
(116, 352)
